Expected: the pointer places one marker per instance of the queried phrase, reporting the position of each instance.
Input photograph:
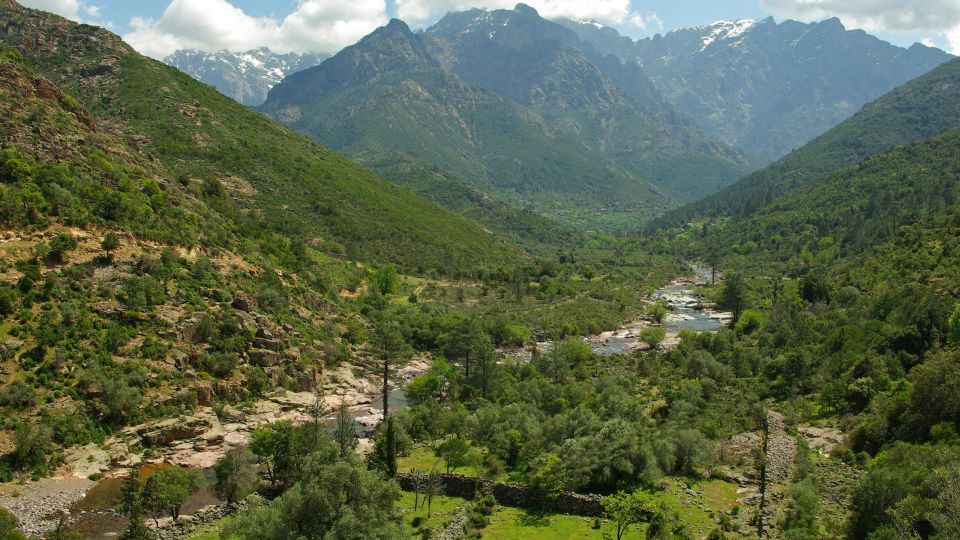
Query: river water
(685, 310)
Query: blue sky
(157, 27)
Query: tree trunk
(386, 387)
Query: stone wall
(779, 453)
(515, 495)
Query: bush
(110, 242)
(60, 246)
(18, 394)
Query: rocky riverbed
(196, 440)
(39, 505)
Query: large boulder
(264, 357)
(174, 429)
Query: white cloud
(66, 8)
(924, 16)
(615, 11)
(314, 26)
(70, 9)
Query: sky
(159, 27)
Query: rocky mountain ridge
(244, 76)
(763, 86)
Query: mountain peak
(524, 9)
(396, 25)
(726, 30)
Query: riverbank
(197, 440)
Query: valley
(496, 276)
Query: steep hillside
(388, 96)
(609, 106)
(908, 194)
(291, 185)
(919, 109)
(764, 87)
(546, 128)
(244, 76)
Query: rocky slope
(244, 76)
(768, 87)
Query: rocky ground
(39, 505)
(197, 440)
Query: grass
(422, 459)
(210, 531)
(517, 524)
(441, 511)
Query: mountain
(920, 109)
(542, 127)
(280, 180)
(609, 105)
(765, 87)
(244, 76)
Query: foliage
(166, 490)
(236, 475)
(8, 526)
(339, 499)
(626, 509)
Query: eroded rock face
(264, 358)
(175, 429)
(825, 439)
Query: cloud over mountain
(314, 26)
(940, 17)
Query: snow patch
(595, 24)
(726, 31)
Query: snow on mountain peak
(726, 30)
(595, 24)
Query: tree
(8, 526)
(653, 336)
(167, 489)
(454, 452)
(625, 509)
(734, 297)
(550, 475)
(345, 432)
(801, 522)
(273, 444)
(384, 280)
(389, 345)
(110, 242)
(953, 326)
(60, 245)
(32, 444)
(466, 344)
(339, 499)
(391, 448)
(236, 474)
(131, 505)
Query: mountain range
(514, 105)
(243, 76)
(922, 108)
(763, 86)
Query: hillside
(290, 184)
(768, 87)
(919, 109)
(244, 76)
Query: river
(685, 310)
